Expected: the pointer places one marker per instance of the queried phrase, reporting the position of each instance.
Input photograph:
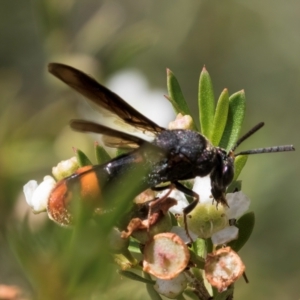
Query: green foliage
(206, 103)
(63, 263)
(82, 159)
(175, 94)
(235, 118)
(220, 118)
(101, 154)
(245, 225)
(239, 164)
(136, 277)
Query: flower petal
(181, 232)
(238, 204)
(225, 235)
(28, 190)
(37, 195)
(202, 186)
(179, 197)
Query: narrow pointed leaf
(190, 293)
(220, 118)
(101, 154)
(153, 294)
(175, 95)
(236, 114)
(245, 225)
(82, 159)
(206, 103)
(136, 277)
(239, 164)
(234, 186)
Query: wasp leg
(180, 187)
(164, 187)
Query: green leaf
(245, 225)
(180, 297)
(82, 159)
(190, 293)
(234, 186)
(236, 114)
(121, 151)
(136, 277)
(197, 261)
(228, 294)
(153, 294)
(175, 95)
(220, 118)
(101, 154)
(199, 247)
(239, 164)
(206, 102)
(134, 246)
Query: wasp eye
(228, 173)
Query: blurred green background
(251, 45)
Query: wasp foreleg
(180, 187)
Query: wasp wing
(102, 97)
(111, 137)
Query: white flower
(207, 220)
(238, 204)
(37, 195)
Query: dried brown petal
(165, 256)
(223, 267)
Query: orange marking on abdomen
(90, 188)
(83, 187)
(58, 203)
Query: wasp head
(222, 175)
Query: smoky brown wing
(111, 137)
(102, 96)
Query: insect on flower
(172, 155)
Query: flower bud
(181, 122)
(65, 168)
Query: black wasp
(172, 156)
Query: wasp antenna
(282, 148)
(248, 134)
